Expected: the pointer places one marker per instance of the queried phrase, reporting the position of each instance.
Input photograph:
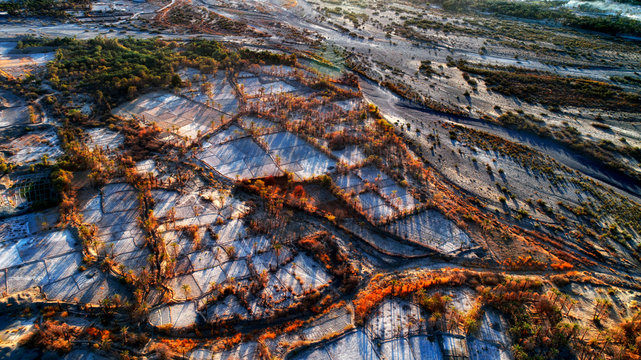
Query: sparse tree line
(54, 8)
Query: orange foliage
(293, 325)
(524, 263)
(379, 288)
(267, 335)
(298, 192)
(181, 346)
(93, 332)
(227, 343)
(628, 335)
(54, 336)
(563, 265)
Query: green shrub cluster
(550, 89)
(55, 8)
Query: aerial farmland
(320, 179)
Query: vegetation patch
(554, 90)
(53, 8)
(115, 70)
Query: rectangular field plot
(280, 70)
(349, 182)
(254, 86)
(351, 155)
(257, 125)
(226, 309)
(397, 349)
(374, 206)
(105, 139)
(240, 159)
(173, 113)
(349, 104)
(33, 146)
(355, 345)
(394, 319)
(373, 175)
(243, 158)
(18, 64)
(387, 199)
(399, 197)
(215, 91)
(16, 227)
(178, 315)
(233, 132)
(431, 228)
(297, 156)
(14, 116)
(303, 272)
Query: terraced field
(319, 180)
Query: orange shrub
(181, 346)
(379, 288)
(563, 265)
(54, 336)
(293, 325)
(267, 335)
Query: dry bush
(162, 351)
(53, 336)
(628, 336)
